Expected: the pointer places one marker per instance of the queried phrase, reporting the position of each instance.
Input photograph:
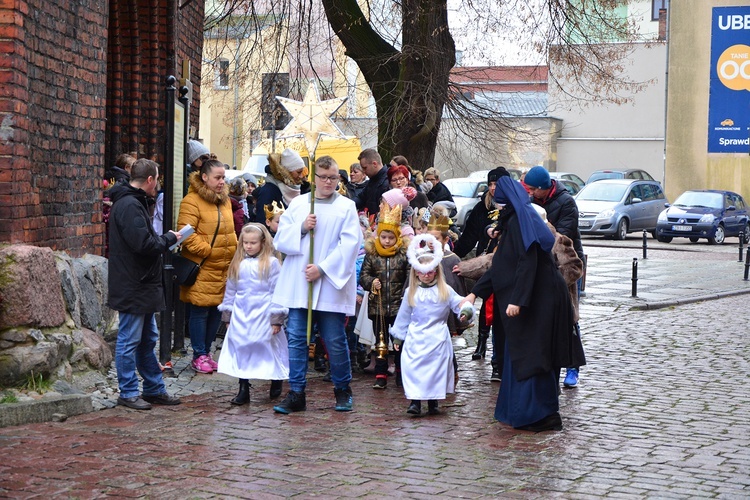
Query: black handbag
(185, 270)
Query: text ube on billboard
(729, 90)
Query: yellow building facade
(689, 162)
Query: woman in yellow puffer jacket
(206, 205)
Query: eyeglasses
(398, 179)
(333, 178)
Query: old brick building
(81, 82)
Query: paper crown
(424, 253)
(389, 216)
(273, 210)
(439, 223)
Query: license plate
(584, 223)
(682, 228)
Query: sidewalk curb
(44, 410)
(690, 300)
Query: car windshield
(602, 192)
(699, 199)
(597, 176)
(461, 188)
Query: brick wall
(71, 100)
(53, 122)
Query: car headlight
(662, 216)
(707, 218)
(606, 214)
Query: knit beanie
(195, 150)
(395, 197)
(538, 177)
(291, 160)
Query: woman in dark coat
(532, 301)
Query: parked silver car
(616, 207)
(466, 193)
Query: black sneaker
(162, 399)
(380, 383)
(495, 377)
(344, 399)
(294, 401)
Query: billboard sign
(729, 89)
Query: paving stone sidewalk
(661, 412)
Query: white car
(466, 193)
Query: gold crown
(273, 210)
(390, 216)
(440, 223)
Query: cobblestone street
(662, 410)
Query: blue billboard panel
(729, 90)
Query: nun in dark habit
(532, 306)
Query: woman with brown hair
(208, 209)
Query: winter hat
(291, 160)
(538, 177)
(237, 187)
(250, 179)
(196, 150)
(395, 197)
(494, 174)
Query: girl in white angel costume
(422, 327)
(255, 346)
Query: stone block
(31, 293)
(70, 288)
(99, 355)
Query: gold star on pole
(311, 118)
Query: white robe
(427, 354)
(337, 238)
(250, 348)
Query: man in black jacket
(369, 198)
(562, 212)
(135, 286)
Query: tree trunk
(410, 87)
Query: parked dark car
(616, 207)
(633, 173)
(707, 213)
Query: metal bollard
(742, 241)
(645, 245)
(747, 264)
(634, 279)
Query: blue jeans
(136, 340)
(331, 329)
(203, 324)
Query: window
(655, 6)
(222, 77)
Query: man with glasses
(334, 229)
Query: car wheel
(664, 239)
(718, 237)
(746, 234)
(622, 229)
(694, 239)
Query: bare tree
(406, 52)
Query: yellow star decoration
(311, 118)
